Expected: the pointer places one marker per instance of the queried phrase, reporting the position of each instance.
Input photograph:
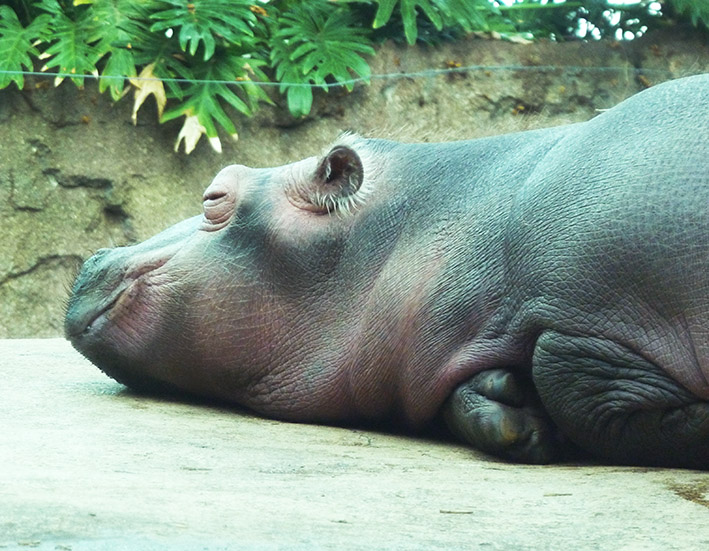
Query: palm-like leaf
(205, 22)
(73, 49)
(227, 77)
(314, 43)
(16, 45)
(469, 14)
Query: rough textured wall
(75, 175)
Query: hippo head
(296, 293)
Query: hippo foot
(499, 413)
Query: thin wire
(356, 80)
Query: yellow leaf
(191, 132)
(147, 83)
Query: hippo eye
(336, 183)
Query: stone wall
(75, 175)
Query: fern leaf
(120, 23)
(697, 10)
(119, 65)
(385, 9)
(148, 84)
(469, 14)
(73, 49)
(312, 44)
(204, 98)
(205, 22)
(16, 45)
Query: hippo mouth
(113, 319)
(82, 320)
(86, 325)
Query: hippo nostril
(221, 198)
(213, 195)
(218, 207)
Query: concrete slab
(86, 465)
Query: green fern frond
(157, 49)
(314, 43)
(206, 22)
(469, 14)
(697, 10)
(203, 98)
(73, 48)
(120, 22)
(17, 45)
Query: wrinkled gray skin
(532, 290)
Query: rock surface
(89, 466)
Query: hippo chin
(534, 291)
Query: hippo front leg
(500, 413)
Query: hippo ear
(337, 180)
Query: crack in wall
(71, 261)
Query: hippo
(530, 293)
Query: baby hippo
(534, 292)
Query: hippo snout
(102, 281)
